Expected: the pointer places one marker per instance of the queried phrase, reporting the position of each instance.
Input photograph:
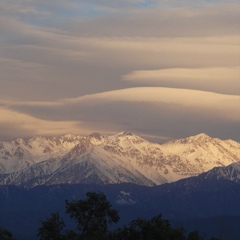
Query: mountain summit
(102, 159)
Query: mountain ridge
(123, 157)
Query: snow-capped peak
(202, 137)
(124, 133)
(230, 172)
(96, 138)
(111, 159)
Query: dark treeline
(94, 215)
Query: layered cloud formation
(158, 68)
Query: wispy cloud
(114, 65)
(14, 124)
(140, 109)
(222, 80)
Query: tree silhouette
(52, 228)
(5, 234)
(154, 229)
(92, 215)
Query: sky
(161, 69)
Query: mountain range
(104, 159)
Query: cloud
(156, 111)
(15, 124)
(207, 20)
(60, 66)
(63, 64)
(88, 56)
(222, 80)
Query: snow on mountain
(230, 172)
(20, 153)
(201, 153)
(123, 157)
